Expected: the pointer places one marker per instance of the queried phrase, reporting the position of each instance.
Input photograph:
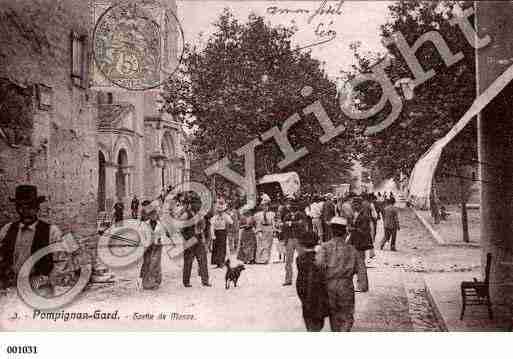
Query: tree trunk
(463, 203)
(464, 221)
(434, 205)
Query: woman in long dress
(247, 242)
(264, 232)
(151, 269)
(233, 231)
(218, 229)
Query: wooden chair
(478, 292)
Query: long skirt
(151, 270)
(264, 244)
(247, 248)
(232, 234)
(219, 248)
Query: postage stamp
(136, 45)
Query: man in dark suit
(294, 226)
(21, 239)
(194, 250)
(310, 284)
(390, 223)
(361, 233)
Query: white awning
(288, 181)
(421, 177)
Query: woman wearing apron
(264, 231)
(151, 269)
(247, 242)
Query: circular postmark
(138, 45)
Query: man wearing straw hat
(340, 262)
(21, 239)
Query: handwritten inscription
(326, 9)
(322, 30)
(324, 12)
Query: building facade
(83, 147)
(139, 150)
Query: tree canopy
(247, 79)
(437, 103)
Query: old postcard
(180, 165)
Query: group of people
(329, 236)
(157, 236)
(332, 239)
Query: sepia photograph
(255, 166)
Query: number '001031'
(21, 349)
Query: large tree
(437, 104)
(246, 79)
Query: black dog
(232, 274)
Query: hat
(309, 240)
(152, 207)
(265, 199)
(220, 205)
(27, 194)
(341, 221)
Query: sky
(350, 20)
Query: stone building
(139, 150)
(49, 127)
(83, 148)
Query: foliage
(438, 103)
(247, 79)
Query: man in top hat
(19, 240)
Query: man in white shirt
(21, 239)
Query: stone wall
(60, 155)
